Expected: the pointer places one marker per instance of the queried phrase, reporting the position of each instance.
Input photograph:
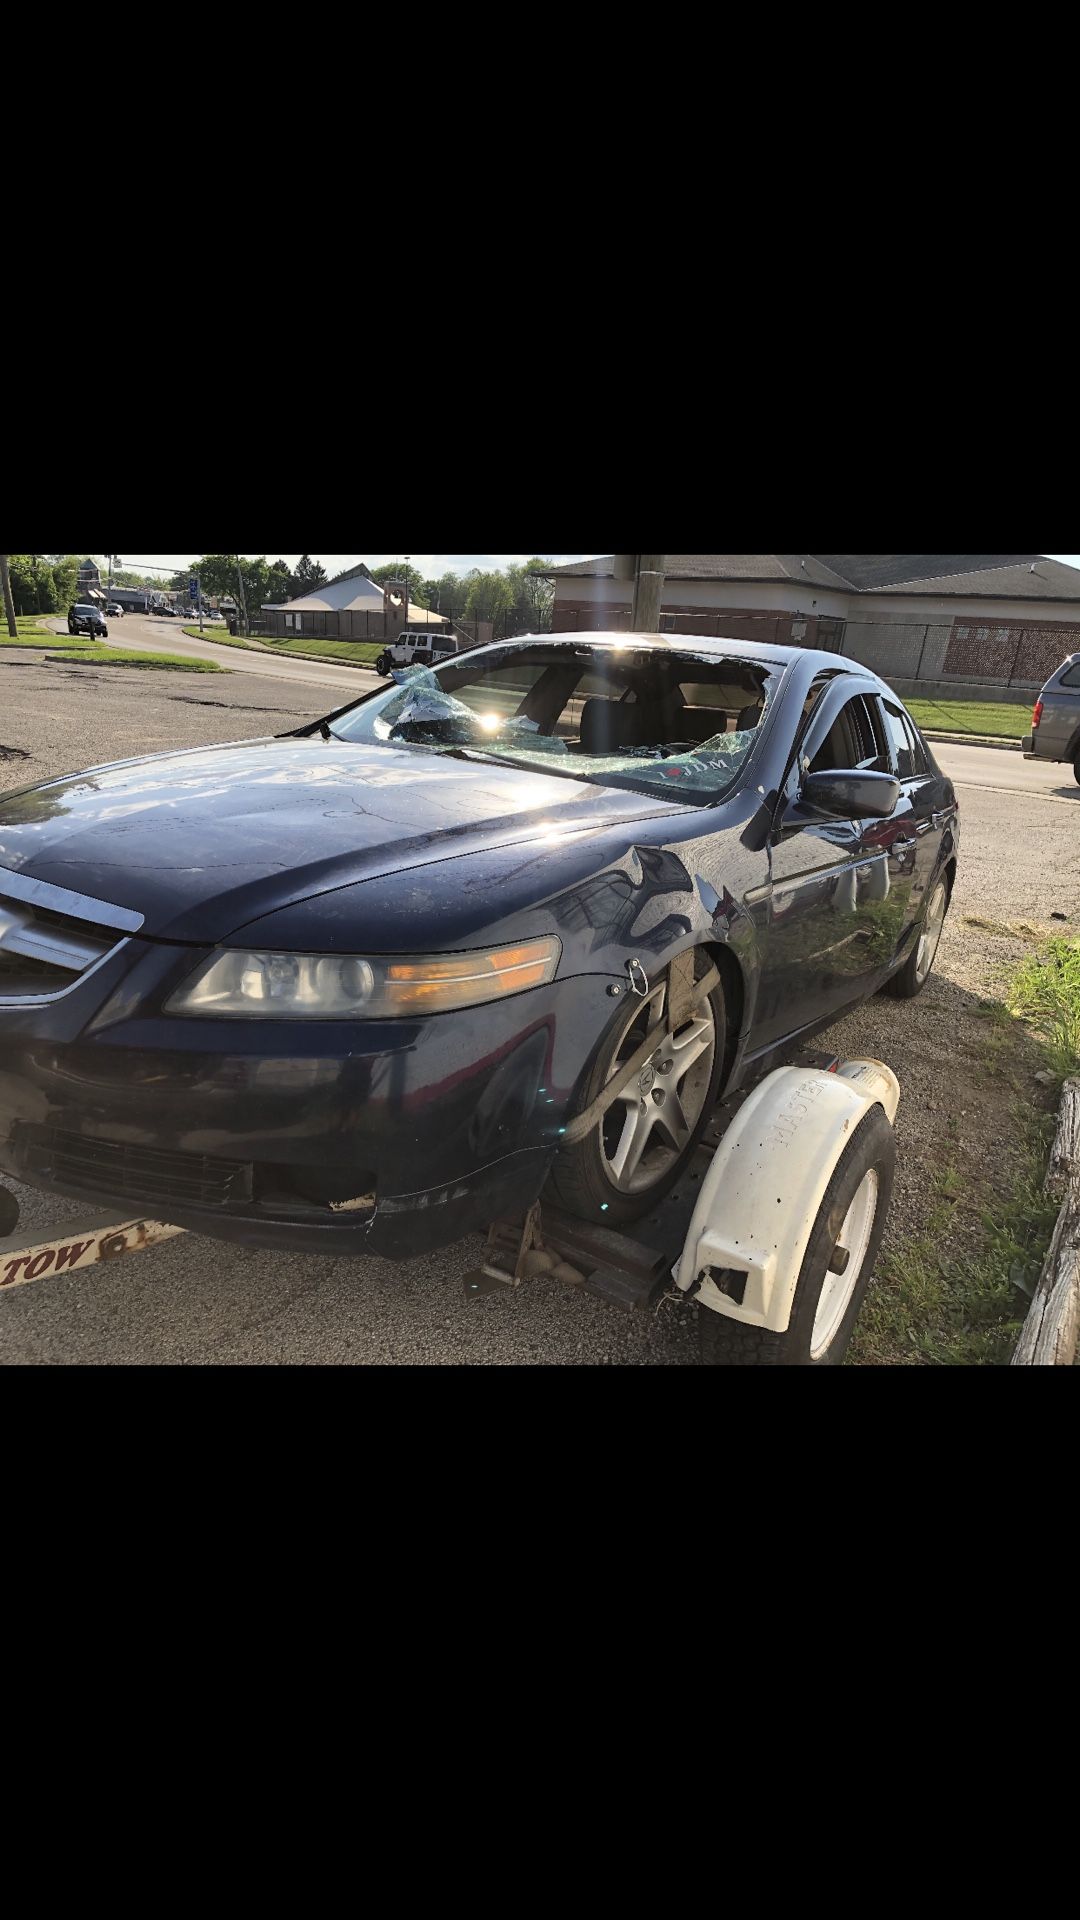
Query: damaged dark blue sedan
(504, 926)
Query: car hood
(200, 843)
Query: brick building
(1004, 620)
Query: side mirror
(851, 796)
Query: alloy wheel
(649, 1126)
(931, 933)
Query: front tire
(646, 1139)
(915, 972)
(382, 665)
(851, 1218)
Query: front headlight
(324, 986)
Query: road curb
(319, 659)
(973, 740)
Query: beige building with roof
(1004, 621)
(352, 606)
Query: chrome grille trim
(56, 946)
(80, 906)
(60, 938)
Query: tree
(447, 595)
(309, 575)
(280, 585)
(65, 573)
(490, 597)
(532, 599)
(419, 591)
(223, 574)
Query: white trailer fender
(761, 1195)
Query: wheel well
(950, 875)
(731, 979)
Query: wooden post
(648, 592)
(646, 570)
(1049, 1334)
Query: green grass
(957, 1294)
(220, 636)
(93, 652)
(360, 652)
(972, 716)
(31, 632)
(1045, 995)
(933, 1304)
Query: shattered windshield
(643, 717)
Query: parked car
(87, 619)
(1055, 723)
(166, 613)
(417, 647)
(116, 612)
(347, 987)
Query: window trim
(916, 745)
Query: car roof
(710, 645)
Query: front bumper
(279, 1133)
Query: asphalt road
(143, 633)
(998, 772)
(199, 1301)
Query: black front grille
(147, 1175)
(20, 974)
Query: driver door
(831, 887)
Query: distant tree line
(264, 582)
(511, 598)
(43, 582)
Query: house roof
(352, 592)
(999, 576)
(716, 566)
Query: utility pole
(243, 597)
(646, 570)
(9, 604)
(408, 557)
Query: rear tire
(1076, 769)
(826, 1305)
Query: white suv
(417, 647)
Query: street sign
(194, 587)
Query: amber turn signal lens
(468, 979)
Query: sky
(429, 564)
